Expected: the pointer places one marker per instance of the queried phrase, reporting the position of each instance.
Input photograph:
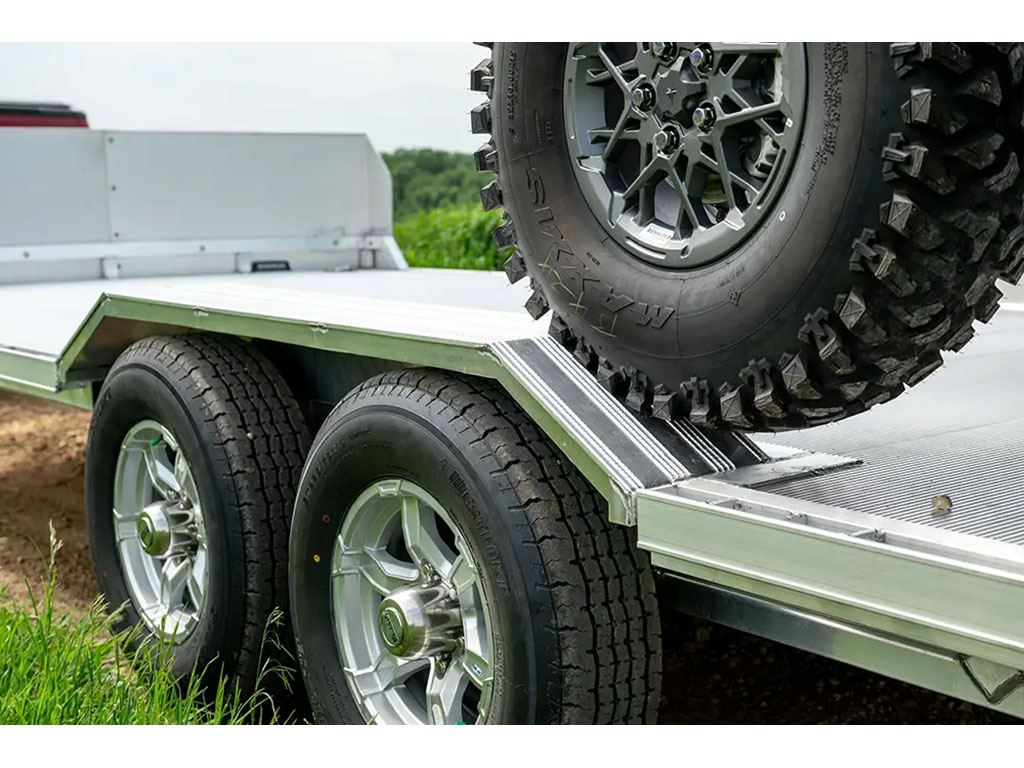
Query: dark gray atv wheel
(757, 236)
(574, 633)
(218, 413)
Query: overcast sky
(401, 94)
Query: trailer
(218, 298)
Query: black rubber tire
(577, 628)
(246, 442)
(904, 205)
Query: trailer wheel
(194, 453)
(759, 236)
(450, 566)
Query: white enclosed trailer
(268, 259)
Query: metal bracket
(995, 682)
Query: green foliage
(424, 179)
(59, 669)
(451, 238)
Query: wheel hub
(681, 149)
(166, 529)
(420, 621)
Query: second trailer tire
(757, 236)
(195, 451)
(449, 565)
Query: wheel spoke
(197, 577)
(183, 478)
(463, 575)
(616, 133)
(476, 667)
(419, 528)
(598, 76)
(173, 580)
(723, 171)
(686, 210)
(749, 113)
(773, 132)
(384, 572)
(444, 695)
(744, 183)
(642, 178)
(386, 671)
(614, 71)
(126, 525)
(158, 468)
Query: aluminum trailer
(829, 539)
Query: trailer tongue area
(891, 541)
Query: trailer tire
(219, 406)
(574, 620)
(874, 248)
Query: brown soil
(712, 674)
(42, 450)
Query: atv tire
(900, 207)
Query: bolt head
(643, 97)
(667, 140)
(701, 58)
(667, 52)
(704, 116)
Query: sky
(401, 94)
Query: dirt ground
(712, 674)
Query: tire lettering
(653, 315)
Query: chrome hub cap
(411, 619)
(420, 621)
(160, 531)
(681, 149)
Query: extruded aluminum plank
(938, 587)
(612, 435)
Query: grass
(456, 237)
(58, 668)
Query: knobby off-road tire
(240, 430)
(574, 619)
(901, 208)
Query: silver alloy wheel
(411, 617)
(160, 531)
(681, 149)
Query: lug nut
(667, 52)
(667, 140)
(704, 116)
(702, 58)
(643, 97)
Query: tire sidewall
(748, 305)
(360, 446)
(133, 393)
